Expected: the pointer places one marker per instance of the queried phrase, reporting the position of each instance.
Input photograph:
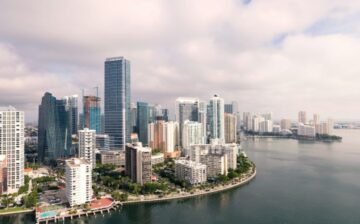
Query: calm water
(297, 182)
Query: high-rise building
(216, 118)
(133, 117)
(165, 114)
(302, 117)
(163, 136)
(187, 108)
(230, 128)
(285, 124)
(3, 174)
(316, 119)
(87, 145)
(192, 134)
(117, 101)
(12, 127)
(142, 122)
(247, 118)
(71, 106)
(256, 120)
(190, 171)
(138, 163)
(78, 181)
(91, 113)
(54, 132)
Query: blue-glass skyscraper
(54, 131)
(117, 101)
(142, 121)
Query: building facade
(71, 106)
(78, 181)
(117, 101)
(102, 142)
(192, 134)
(12, 125)
(87, 145)
(302, 117)
(114, 157)
(142, 122)
(285, 124)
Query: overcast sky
(269, 55)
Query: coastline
(189, 195)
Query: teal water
(296, 182)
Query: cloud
(277, 55)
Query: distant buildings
(231, 108)
(12, 126)
(216, 117)
(186, 109)
(87, 145)
(266, 126)
(192, 134)
(54, 129)
(230, 128)
(306, 130)
(71, 106)
(78, 181)
(302, 117)
(190, 171)
(91, 113)
(117, 101)
(163, 136)
(138, 163)
(285, 124)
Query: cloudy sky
(269, 55)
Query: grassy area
(14, 210)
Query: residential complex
(115, 157)
(230, 128)
(216, 117)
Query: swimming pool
(48, 214)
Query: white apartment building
(302, 117)
(12, 146)
(216, 117)
(216, 164)
(78, 181)
(87, 145)
(190, 171)
(306, 130)
(171, 135)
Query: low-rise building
(3, 174)
(78, 174)
(306, 130)
(157, 158)
(190, 171)
(115, 157)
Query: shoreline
(23, 211)
(189, 195)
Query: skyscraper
(216, 118)
(91, 113)
(187, 108)
(71, 106)
(117, 101)
(192, 135)
(12, 146)
(142, 122)
(203, 120)
(163, 136)
(54, 133)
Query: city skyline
(263, 63)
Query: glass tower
(91, 113)
(117, 102)
(142, 122)
(54, 134)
